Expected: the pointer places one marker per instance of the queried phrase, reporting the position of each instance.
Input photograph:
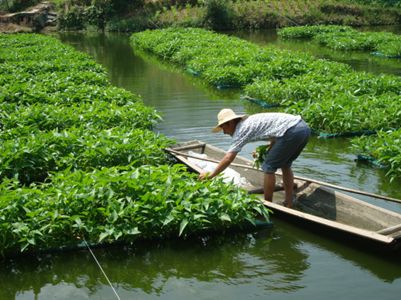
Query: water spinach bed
(334, 99)
(79, 159)
(346, 38)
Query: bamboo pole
(337, 187)
(390, 230)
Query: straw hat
(224, 116)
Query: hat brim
(218, 127)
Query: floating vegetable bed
(345, 38)
(118, 204)
(307, 32)
(220, 60)
(339, 102)
(79, 159)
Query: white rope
(100, 267)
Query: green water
(285, 262)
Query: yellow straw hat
(224, 116)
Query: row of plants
(222, 61)
(17, 120)
(60, 93)
(309, 32)
(79, 159)
(331, 97)
(346, 38)
(32, 157)
(336, 100)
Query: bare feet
(291, 203)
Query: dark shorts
(287, 148)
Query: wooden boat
(316, 206)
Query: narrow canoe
(317, 206)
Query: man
(288, 135)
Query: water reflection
(236, 260)
(269, 262)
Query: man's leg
(269, 184)
(288, 182)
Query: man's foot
(290, 204)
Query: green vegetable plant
(260, 155)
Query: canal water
(285, 262)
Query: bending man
(288, 135)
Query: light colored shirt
(262, 126)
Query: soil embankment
(33, 19)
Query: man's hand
(203, 176)
(223, 164)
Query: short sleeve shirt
(262, 126)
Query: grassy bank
(252, 14)
(124, 15)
